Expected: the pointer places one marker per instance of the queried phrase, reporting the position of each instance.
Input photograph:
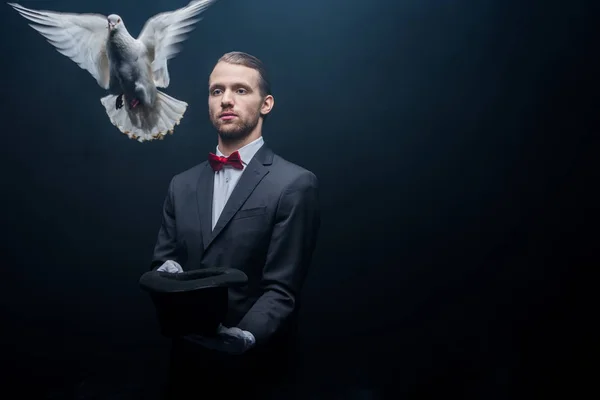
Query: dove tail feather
(146, 123)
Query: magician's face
(234, 101)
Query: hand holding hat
(229, 340)
(194, 303)
(170, 266)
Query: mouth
(227, 116)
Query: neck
(229, 146)
(119, 41)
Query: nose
(226, 99)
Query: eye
(118, 20)
(214, 92)
(242, 91)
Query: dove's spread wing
(163, 32)
(81, 37)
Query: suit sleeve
(290, 252)
(166, 242)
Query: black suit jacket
(268, 229)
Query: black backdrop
(456, 160)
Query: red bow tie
(218, 162)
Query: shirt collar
(248, 151)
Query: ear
(267, 105)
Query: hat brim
(189, 281)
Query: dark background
(455, 152)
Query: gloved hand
(170, 266)
(228, 340)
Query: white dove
(130, 69)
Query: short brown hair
(250, 61)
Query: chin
(232, 135)
(228, 128)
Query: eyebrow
(236, 84)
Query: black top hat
(191, 302)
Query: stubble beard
(237, 130)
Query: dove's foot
(134, 103)
(119, 102)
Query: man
(244, 207)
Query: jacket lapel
(254, 172)
(204, 196)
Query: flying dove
(130, 69)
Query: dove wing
(163, 32)
(81, 37)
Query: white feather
(163, 32)
(144, 124)
(81, 37)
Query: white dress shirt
(226, 179)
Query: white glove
(229, 340)
(170, 266)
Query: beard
(236, 130)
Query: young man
(244, 207)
